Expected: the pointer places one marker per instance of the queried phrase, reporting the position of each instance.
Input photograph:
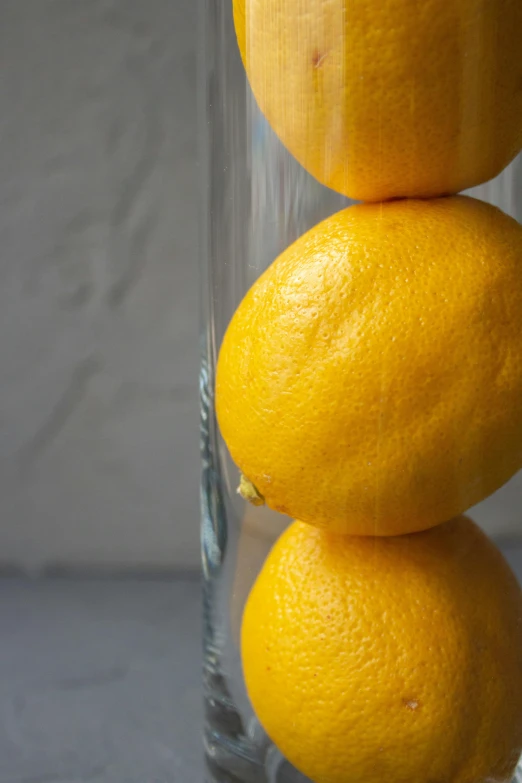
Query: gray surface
(100, 682)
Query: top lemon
(389, 98)
(371, 380)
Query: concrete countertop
(100, 680)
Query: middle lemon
(371, 380)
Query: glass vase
(257, 200)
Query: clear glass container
(257, 201)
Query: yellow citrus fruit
(371, 380)
(388, 659)
(389, 98)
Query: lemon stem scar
(247, 491)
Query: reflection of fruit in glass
(383, 99)
(370, 381)
(388, 659)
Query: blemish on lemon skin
(318, 58)
(411, 704)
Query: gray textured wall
(98, 285)
(98, 282)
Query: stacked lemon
(370, 386)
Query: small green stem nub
(247, 491)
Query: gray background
(98, 282)
(98, 286)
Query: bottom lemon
(388, 659)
